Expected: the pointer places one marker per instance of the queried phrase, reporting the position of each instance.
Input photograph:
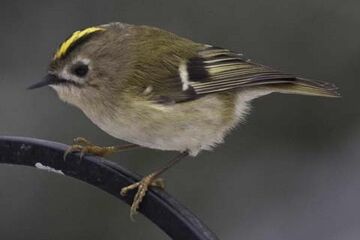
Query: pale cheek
(67, 94)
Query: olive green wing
(208, 70)
(218, 70)
(215, 70)
(179, 70)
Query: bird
(155, 89)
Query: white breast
(193, 126)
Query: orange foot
(86, 147)
(142, 187)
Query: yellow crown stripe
(64, 47)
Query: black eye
(80, 70)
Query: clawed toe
(71, 149)
(150, 180)
(142, 188)
(84, 146)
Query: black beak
(48, 80)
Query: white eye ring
(85, 61)
(68, 72)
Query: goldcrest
(157, 90)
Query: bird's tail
(307, 87)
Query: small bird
(155, 89)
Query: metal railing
(158, 206)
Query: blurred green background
(290, 172)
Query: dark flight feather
(217, 70)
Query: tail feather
(307, 87)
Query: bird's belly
(192, 126)
(165, 137)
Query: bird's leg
(149, 180)
(84, 146)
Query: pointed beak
(47, 80)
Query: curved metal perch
(158, 206)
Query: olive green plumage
(156, 89)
